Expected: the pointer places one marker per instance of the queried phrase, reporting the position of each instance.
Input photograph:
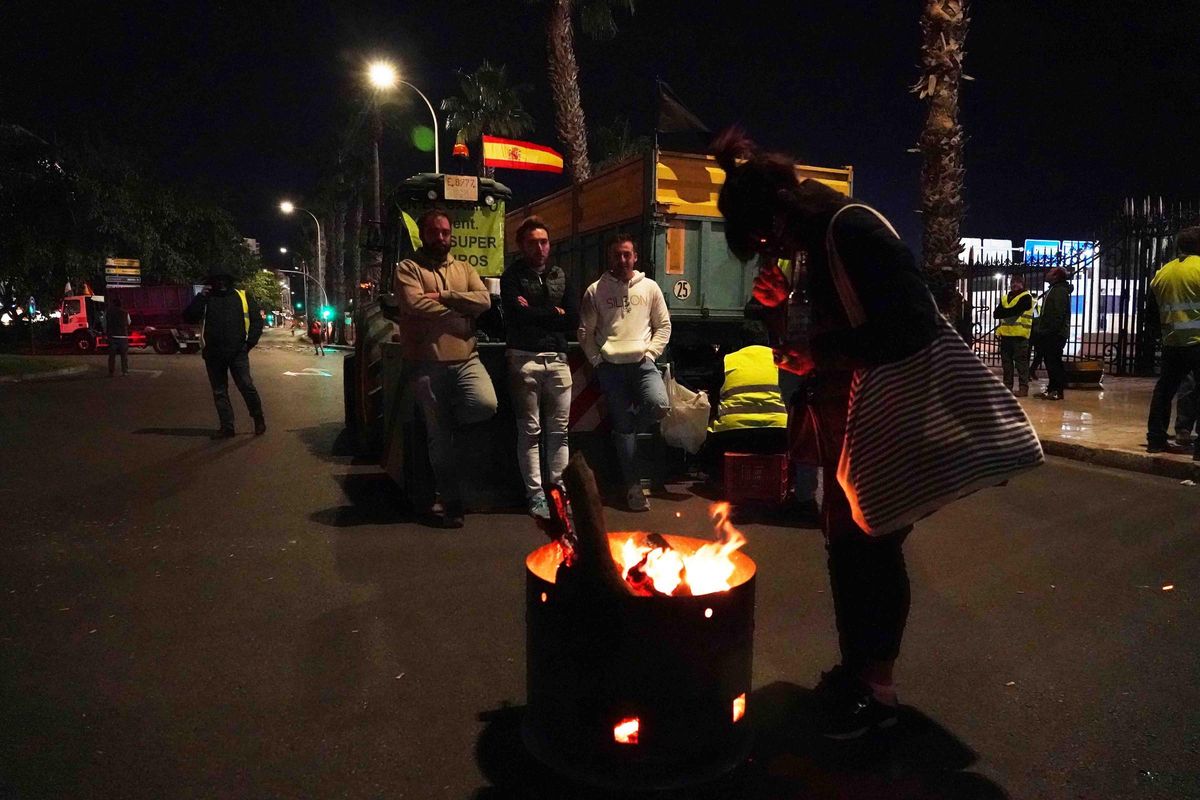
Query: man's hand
(560, 311)
(522, 302)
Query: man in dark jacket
(231, 328)
(1051, 328)
(540, 309)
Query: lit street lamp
(383, 76)
(287, 207)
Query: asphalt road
(259, 617)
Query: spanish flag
(511, 154)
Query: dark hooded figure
(231, 327)
(789, 224)
(1052, 326)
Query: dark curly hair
(758, 186)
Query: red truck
(155, 313)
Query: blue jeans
(636, 397)
(805, 481)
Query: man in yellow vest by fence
(1015, 312)
(1176, 289)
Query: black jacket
(901, 317)
(1054, 318)
(538, 327)
(224, 325)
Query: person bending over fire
(771, 213)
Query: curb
(1123, 459)
(41, 376)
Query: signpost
(122, 272)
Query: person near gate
(230, 328)
(1052, 326)
(1015, 312)
(771, 213)
(316, 335)
(116, 330)
(439, 298)
(624, 327)
(540, 311)
(1176, 289)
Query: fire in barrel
(638, 649)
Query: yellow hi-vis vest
(1016, 326)
(750, 396)
(1177, 288)
(245, 317)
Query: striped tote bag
(926, 430)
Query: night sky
(1074, 104)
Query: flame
(669, 571)
(626, 731)
(739, 706)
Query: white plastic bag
(686, 424)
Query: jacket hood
(637, 276)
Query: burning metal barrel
(643, 690)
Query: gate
(1110, 276)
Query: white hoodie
(621, 322)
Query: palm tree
(943, 34)
(615, 143)
(486, 104)
(597, 20)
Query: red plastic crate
(751, 477)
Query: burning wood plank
(589, 565)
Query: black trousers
(867, 574)
(1177, 362)
(1051, 348)
(220, 366)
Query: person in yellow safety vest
(1015, 312)
(1176, 290)
(750, 413)
(230, 328)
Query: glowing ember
(650, 564)
(739, 707)
(1168, 587)
(626, 731)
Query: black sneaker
(855, 712)
(452, 517)
(260, 426)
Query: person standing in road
(1052, 326)
(624, 327)
(230, 328)
(116, 330)
(1015, 312)
(771, 213)
(1176, 289)
(439, 298)
(540, 310)
(316, 335)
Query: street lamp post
(288, 207)
(384, 76)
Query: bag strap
(841, 280)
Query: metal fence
(1110, 279)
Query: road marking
(311, 372)
(153, 373)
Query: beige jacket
(441, 329)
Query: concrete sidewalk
(1105, 426)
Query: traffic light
(326, 312)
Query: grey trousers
(450, 394)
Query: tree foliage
(615, 142)
(63, 211)
(264, 288)
(486, 104)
